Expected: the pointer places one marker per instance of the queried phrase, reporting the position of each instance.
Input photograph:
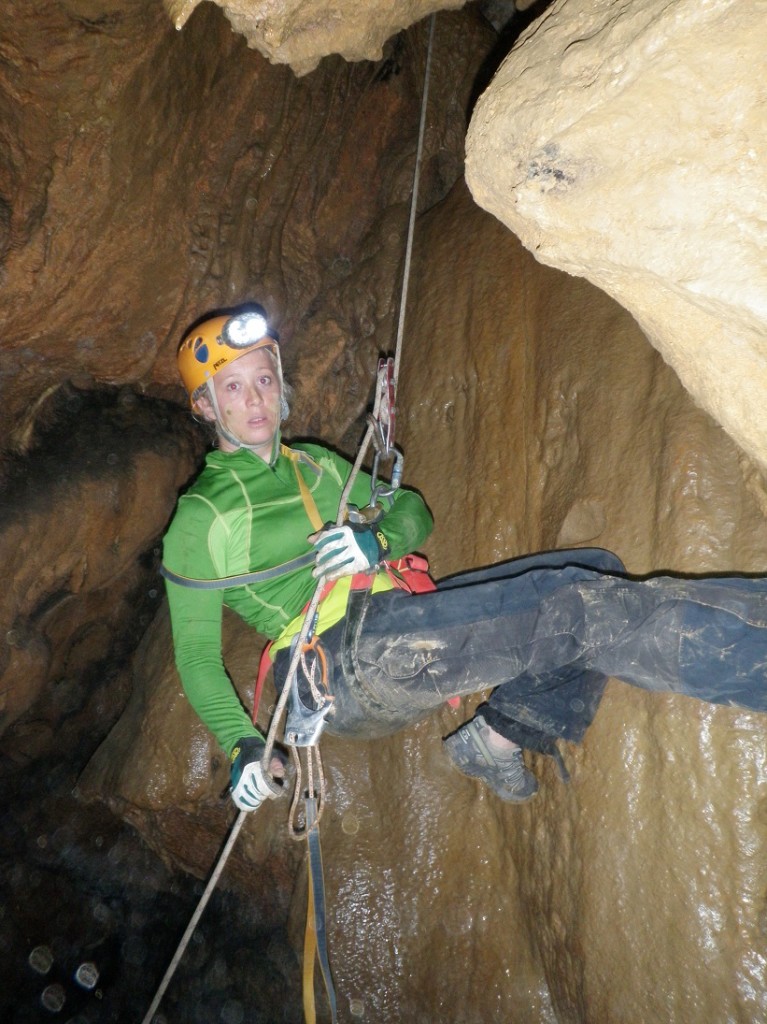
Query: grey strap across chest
(278, 570)
(244, 578)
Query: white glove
(250, 785)
(346, 550)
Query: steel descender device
(304, 724)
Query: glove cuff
(251, 747)
(382, 541)
(369, 535)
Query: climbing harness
(304, 725)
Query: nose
(254, 395)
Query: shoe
(504, 773)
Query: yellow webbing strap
(306, 495)
(310, 951)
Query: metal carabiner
(384, 413)
(377, 490)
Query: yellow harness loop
(306, 495)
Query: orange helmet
(218, 341)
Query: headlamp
(245, 329)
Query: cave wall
(539, 416)
(80, 527)
(535, 414)
(626, 142)
(149, 175)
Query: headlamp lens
(245, 329)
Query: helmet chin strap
(224, 431)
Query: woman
(544, 631)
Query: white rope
(413, 203)
(212, 882)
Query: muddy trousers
(545, 632)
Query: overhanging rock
(624, 142)
(301, 32)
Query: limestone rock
(301, 32)
(534, 414)
(625, 142)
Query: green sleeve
(196, 617)
(407, 524)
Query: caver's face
(248, 396)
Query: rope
(212, 882)
(365, 444)
(413, 202)
(311, 611)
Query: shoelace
(512, 769)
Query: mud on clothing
(243, 515)
(545, 631)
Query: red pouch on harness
(411, 573)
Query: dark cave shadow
(507, 37)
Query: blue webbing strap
(317, 913)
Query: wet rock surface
(174, 172)
(640, 868)
(91, 917)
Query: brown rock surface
(147, 175)
(548, 420)
(79, 521)
(625, 142)
(536, 415)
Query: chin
(261, 438)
